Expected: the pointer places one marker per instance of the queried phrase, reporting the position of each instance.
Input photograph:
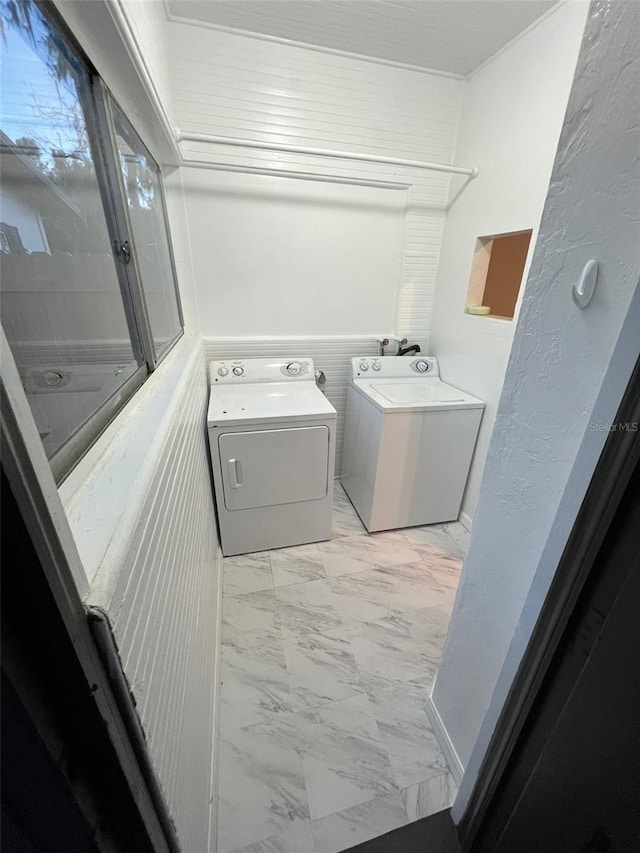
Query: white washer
(409, 439)
(272, 440)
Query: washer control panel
(251, 370)
(393, 366)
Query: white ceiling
(455, 36)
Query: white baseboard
(466, 521)
(445, 742)
(215, 763)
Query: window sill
(102, 493)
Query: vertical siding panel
(164, 609)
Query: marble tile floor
(328, 654)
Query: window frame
(104, 100)
(94, 97)
(132, 292)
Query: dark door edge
(613, 472)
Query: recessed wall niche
(496, 274)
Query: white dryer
(409, 439)
(272, 440)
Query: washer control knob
(364, 365)
(238, 371)
(222, 371)
(422, 366)
(376, 365)
(294, 368)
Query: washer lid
(417, 395)
(423, 392)
(233, 404)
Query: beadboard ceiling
(453, 36)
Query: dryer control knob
(422, 366)
(238, 371)
(364, 365)
(222, 371)
(294, 368)
(376, 365)
(51, 378)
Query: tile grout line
(298, 635)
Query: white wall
(308, 267)
(568, 370)
(63, 300)
(512, 114)
(338, 237)
(148, 22)
(26, 218)
(281, 257)
(140, 507)
(181, 245)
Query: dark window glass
(62, 306)
(89, 302)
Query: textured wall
(568, 369)
(512, 114)
(232, 85)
